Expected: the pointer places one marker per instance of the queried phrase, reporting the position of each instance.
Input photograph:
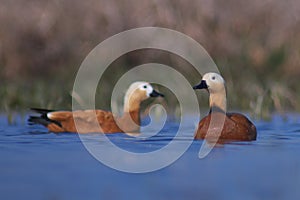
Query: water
(35, 164)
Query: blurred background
(256, 45)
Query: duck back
(226, 127)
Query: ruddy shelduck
(64, 121)
(219, 125)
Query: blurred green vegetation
(256, 45)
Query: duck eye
(145, 86)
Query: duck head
(212, 82)
(215, 85)
(138, 92)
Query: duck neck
(132, 110)
(217, 101)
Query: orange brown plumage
(89, 121)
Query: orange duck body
(91, 121)
(236, 127)
(219, 125)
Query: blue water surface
(35, 164)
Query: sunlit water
(35, 164)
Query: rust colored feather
(235, 127)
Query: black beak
(154, 93)
(201, 85)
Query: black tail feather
(38, 120)
(42, 118)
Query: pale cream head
(141, 90)
(136, 93)
(215, 82)
(215, 85)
